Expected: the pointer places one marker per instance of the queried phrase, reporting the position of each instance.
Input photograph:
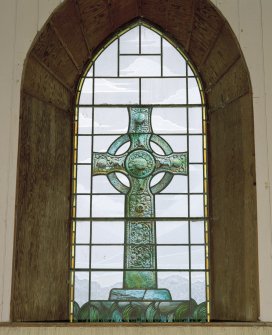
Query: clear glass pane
(106, 63)
(84, 149)
(86, 96)
(173, 62)
(81, 287)
(176, 282)
(82, 257)
(107, 257)
(156, 179)
(196, 178)
(198, 257)
(101, 184)
(195, 149)
(129, 42)
(140, 66)
(198, 288)
(83, 232)
(172, 232)
(83, 178)
(90, 73)
(193, 92)
(116, 91)
(151, 41)
(85, 120)
(123, 179)
(171, 205)
(190, 71)
(156, 148)
(83, 206)
(123, 148)
(195, 120)
(110, 120)
(169, 120)
(108, 232)
(196, 206)
(164, 91)
(178, 143)
(173, 257)
(102, 282)
(102, 143)
(197, 232)
(179, 184)
(108, 205)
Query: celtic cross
(140, 163)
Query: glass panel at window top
(164, 91)
(86, 95)
(106, 63)
(140, 66)
(129, 42)
(151, 41)
(173, 63)
(116, 91)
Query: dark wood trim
(64, 84)
(206, 56)
(82, 26)
(139, 7)
(188, 43)
(223, 106)
(109, 6)
(64, 46)
(209, 88)
(24, 91)
(167, 15)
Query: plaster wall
(20, 20)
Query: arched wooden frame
(74, 32)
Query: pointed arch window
(139, 189)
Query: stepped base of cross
(140, 294)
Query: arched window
(43, 206)
(139, 206)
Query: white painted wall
(20, 20)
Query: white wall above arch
(20, 20)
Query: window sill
(59, 328)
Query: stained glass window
(139, 188)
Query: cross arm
(176, 163)
(105, 163)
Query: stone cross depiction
(140, 163)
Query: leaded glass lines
(139, 187)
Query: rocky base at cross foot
(141, 311)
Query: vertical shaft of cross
(140, 237)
